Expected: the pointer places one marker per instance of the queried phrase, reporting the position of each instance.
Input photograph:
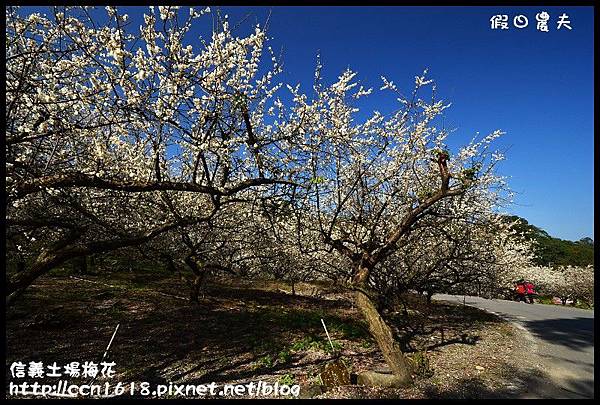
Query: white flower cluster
(564, 282)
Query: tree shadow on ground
(272, 298)
(221, 338)
(575, 333)
(528, 383)
(444, 323)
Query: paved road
(564, 338)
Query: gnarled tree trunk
(199, 271)
(389, 346)
(197, 284)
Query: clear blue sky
(536, 86)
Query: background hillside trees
(553, 251)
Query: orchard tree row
(566, 282)
(195, 152)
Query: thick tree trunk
(64, 250)
(390, 348)
(196, 286)
(385, 339)
(199, 271)
(81, 265)
(45, 262)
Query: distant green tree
(552, 251)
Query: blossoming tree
(119, 137)
(116, 135)
(373, 184)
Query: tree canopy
(550, 251)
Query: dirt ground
(242, 332)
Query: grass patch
(311, 320)
(545, 300)
(61, 271)
(313, 342)
(581, 305)
(284, 356)
(266, 361)
(287, 379)
(422, 366)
